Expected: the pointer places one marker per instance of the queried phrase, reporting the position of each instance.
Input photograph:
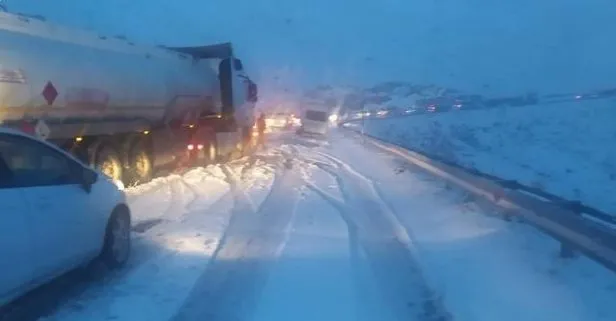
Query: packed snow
(334, 229)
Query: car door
(59, 216)
(16, 259)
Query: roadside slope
(564, 149)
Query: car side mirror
(88, 178)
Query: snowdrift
(565, 149)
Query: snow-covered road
(333, 230)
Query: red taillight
(193, 146)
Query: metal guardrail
(573, 205)
(562, 219)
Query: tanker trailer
(125, 109)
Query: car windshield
(308, 160)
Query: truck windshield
(316, 115)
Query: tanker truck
(121, 107)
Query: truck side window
(32, 164)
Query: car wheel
(117, 245)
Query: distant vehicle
(356, 115)
(315, 120)
(382, 113)
(410, 110)
(296, 120)
(437, 104)
(57, 214)
(279, 120)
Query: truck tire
(108, 161)
(139, 164)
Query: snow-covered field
(333, 230)
(565, 149)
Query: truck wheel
(140, 164)
(108, 162)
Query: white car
(56, 214)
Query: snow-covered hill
(383, 95)
(567, 149)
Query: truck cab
(225, 134)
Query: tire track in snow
(173, 191)
(231, 285)
(179, 203)
(386, 243)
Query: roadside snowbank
(167, 197)
(565, 149)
